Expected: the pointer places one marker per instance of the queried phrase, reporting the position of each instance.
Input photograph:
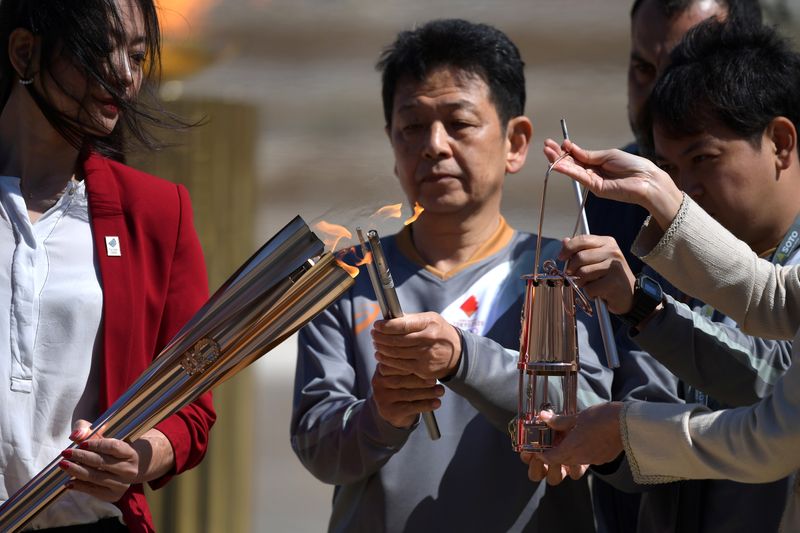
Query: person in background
(454, 98)
(99, 264)
(657, 26)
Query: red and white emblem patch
(470, 306)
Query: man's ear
(783, 136)
(519, 133)
(23, 53)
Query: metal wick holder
(548, 357)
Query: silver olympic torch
(278, 290)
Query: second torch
(385, 293)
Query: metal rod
(606, 330)
(384, 276)
(384, 288)
(373, 274)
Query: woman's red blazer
(150, 290)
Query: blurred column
(215, 162)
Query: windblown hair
(722, 73)
(86, 33)
(479, 49)
(742, 11)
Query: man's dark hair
(741, 11)
(476, 48)
(86, 33)
(723, 73)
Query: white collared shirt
(52, 303)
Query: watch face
(650, 287)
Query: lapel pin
(112, 246)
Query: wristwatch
(647, 295)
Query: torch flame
(332, 233)
(418, 209)
(389, 211)
(353, 271)
(366, 260)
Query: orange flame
(332, 233)
(353, 271)
(389, 211)
(418, 209)
(366, 260)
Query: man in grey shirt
(454, 96)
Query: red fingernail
(66, 454)
(63, 465)
(84, 445)
(74, 434)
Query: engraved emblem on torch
(200, 356)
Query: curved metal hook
(541, 212)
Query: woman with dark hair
(99, 264)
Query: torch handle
(385, 291)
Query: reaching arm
(669, 442)
(687, 246)
(752, 444)
(695, 348)
(722, 361)
(703, 259)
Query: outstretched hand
(620, 176)
(553, 473)
(593, 436)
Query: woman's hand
(106, 468)
(619, 176)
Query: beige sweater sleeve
(703, 259)
(759, 443)
(755, 444)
